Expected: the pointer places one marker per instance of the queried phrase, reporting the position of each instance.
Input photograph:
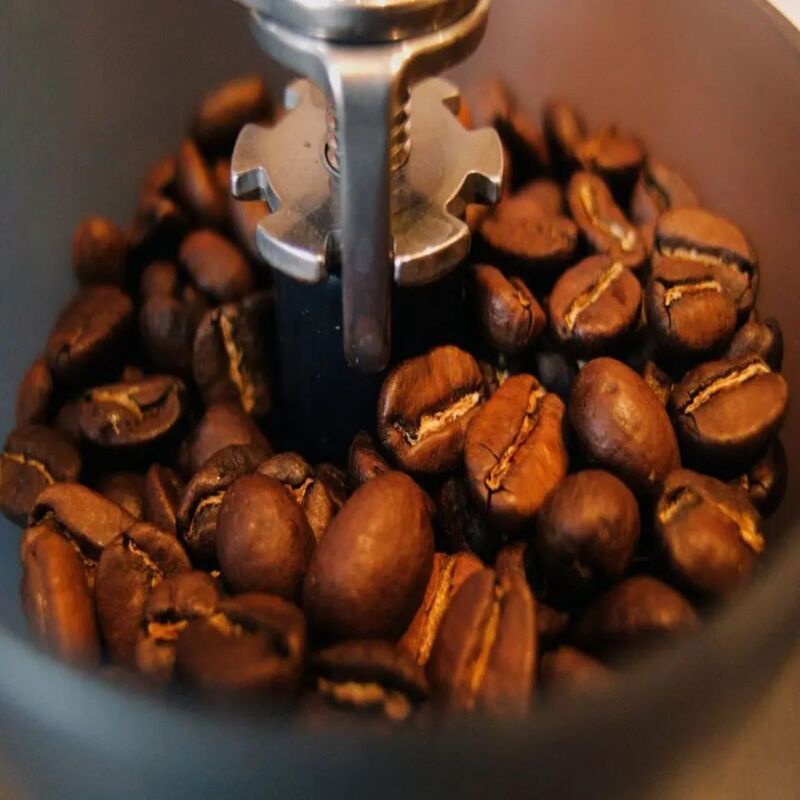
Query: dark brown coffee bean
(227, 109)
(126, 489)
(622, 426)
(368, 574)
(370, 677)
(34, 457)
(133, 414)
(162, 492)
(229, 360)
(762, 339)
(90, 332)
(594, 305)
(364, 461)
(555, 370)
(425, 407)
(201, 501)
(252, 644)
(448, 574)
(586, 533)
(688, 310)
(222, 425)
(34, 394)
(726, 412)
(697, 235)
(159, 278)
(216, 266)
(167, 332)
(198, 187)
(67, 421)
(515, 453)
(564, 131)
(659, 382)
(602, 221)
(484, 656)
(634, 613)
(569, 670)
(99, 252)
(335, 481)
(510, 561)
(710, 532)
(56, 597)
(546, 193)
(659, 189)
(298, 478)
(616, 157)
(511, 317)
(525, 144)
(171, 605)
(461, 525)
(765, 482)
(130, 567)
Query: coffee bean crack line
(587, 298)
(476, 669)
(730, 380)
(25, 461)
(626, 238)
(238, 374)
(430, 424)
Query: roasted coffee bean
(461, 525)
(688, 310)
(602, 221)
(130, 567)
(622, 426)
(511, 317)
(370, 677)
(229, 360)
(162, 492)
(67, 421)
(546, 193)
(765, 482)
(222, 425)
(126, 489)
(99, 252)
(89, 333)
(633, 613)
(227, 109)
(157, 228)
(171, 605)
(368, 574)
(616, 157)
(56, 597)
(564, 131)
(510, 561)
(526, 146)
(167, 330)
(159, 278)
(201, 501)
(697, 235)
(710, 532)
(252, 644)
(216, 266)
(298, 478)
(484, 655)
(425, 407)
(556, 371)
(335, 481)
(33, 458)
(659, 189)
(659, 382)
(762, 339)
(364, 461)
(515, 453)
(198, 187)
(594, 306)
(726, 412)
(569, 670)
(586, 533)
(133, 414)
(34, 394)
(449, 573)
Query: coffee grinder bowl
(95, 95)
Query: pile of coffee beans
(517, 521)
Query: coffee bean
(56, 598)
(335, 481)
(158, 226)
(89, 333)
(201, 501)
(229, 359)
(622, 426)
(659, 189)
(586, 533)
(162, 492)
(658, 381)
(762, 339)
(251, 644)
(34, 457)
(67, 421)
(159, 279)
(99, 253)
(709, 531)
(616, 157)
(515, 453)
(227, 109)
(364, 461)
(546, 193)
(461, 525)
(171, 605)
(484, 655)
(526, 145)
(370, 677)
(425, 407)
(765, 482)
(126, 489)
(130, 567)
(594, 306)
(633, 613)
(689, 311)
(167, 332)
(511, 317)
(368, 574)
(569, 670)
(198, 187)
(555, 370)
(216, 266)
(602, 222)
(34, 394)
(697, 235)
(448, 574)
(726, 412)
(564, 131)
